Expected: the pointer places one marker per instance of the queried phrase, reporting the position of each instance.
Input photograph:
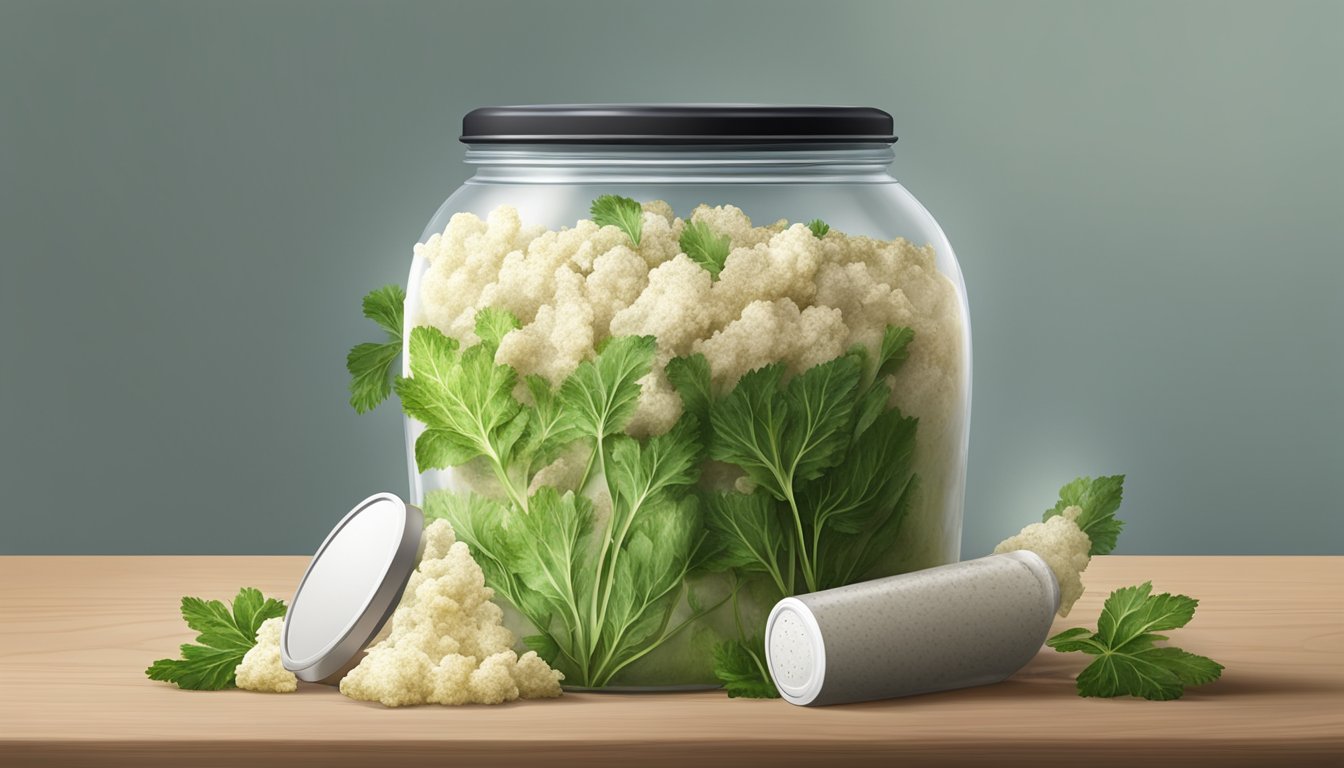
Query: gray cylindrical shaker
(969, 623)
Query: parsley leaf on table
(621, 212)
(1128, 663)
(224, 637)
(370, 364)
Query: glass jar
(798, 419)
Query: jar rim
(673, 124)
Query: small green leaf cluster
(698, 240)
(623, 213)
(1128, 663)
(1099, 499)
(224, 636)
(705, 248)
(740, 665)
(370, 363)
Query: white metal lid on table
(351, 588)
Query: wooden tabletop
(77, 632)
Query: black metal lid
(675, 124)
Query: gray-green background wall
(1147, 199)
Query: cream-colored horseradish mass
(261, 669)
(1063, 546)
(446, 644)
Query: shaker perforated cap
(351, 587)
(736, 124)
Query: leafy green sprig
(225, 635)
(1128, 662)
(831, 464)
(620, 212)
(740, 663)
(370, 364)
(1099, 499)
(832, 468)
(700, 244)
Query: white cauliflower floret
(659, 239)
(1063, 546)
(821, 337)
(785, 267)
(868, 304)
(559, 338)
(618, 279)
(447, 644)
(760, 336)
(463, 261)
(661, 208)
(534, 677)
(527, 276)
(261, 668)
(674, 307)
(731, 221)
(492, 682)
(773, 331)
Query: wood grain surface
(77, 632)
